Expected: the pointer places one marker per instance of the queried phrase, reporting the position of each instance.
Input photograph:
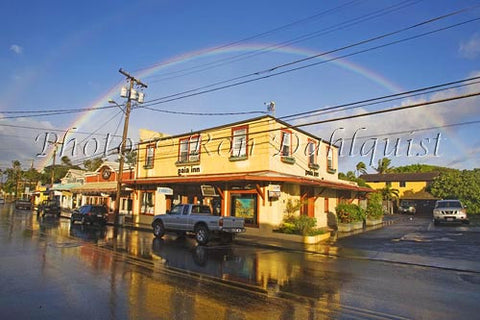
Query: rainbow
(244, 48)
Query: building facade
(100, 187)
(250, 169)
(411, 187)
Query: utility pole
(131, 94)
(55, 144)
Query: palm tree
(384, 166)
(66, 161)
(361, 168)
(389, 194)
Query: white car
(449, 211)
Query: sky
(209, 63)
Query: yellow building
(250, 169)
(410, 186)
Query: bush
(349, 212)
(301, 225)
(374, 206)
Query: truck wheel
(201, 234)
(158, 229)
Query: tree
(384, 166)
(131, 158)
(66, 161)
(93, 164)
(350, 176)
(361, 168)
(414, 168)
(14, 174)
(462, 185)
(389, 194)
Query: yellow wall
(413, 186)
(264, 141)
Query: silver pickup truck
(197, 219)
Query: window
(239, 142)
(403, 184)
(330, 163)
(244, 205)
(312, 154)
(150, 156)
(189, 149)
(147, 204)
(286, 146)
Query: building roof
(394, 177)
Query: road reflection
(223, 262)
(135, 275)
(88, 233)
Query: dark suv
(49, 207)
(90, 213)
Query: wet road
(52, 270)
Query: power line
(41, 113)
(297, 126)
(243, 56)
(268, 32)
(205, 113)
(387, 98)
(218, 85)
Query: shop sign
(165, 191)
(189, 170)
(311, 173)
(208, 191)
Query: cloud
(471, 48)
(415, 130)
(16, 48)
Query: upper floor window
(312, 153)
(150, 156)
(403, 184)
(286, 146)
(239, 142)
(189, 150)
(330, 162)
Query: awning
(65, 187)
(96, 187)
(265, 176)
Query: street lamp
(52, 178)
(115, 103)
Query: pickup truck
(198, 219)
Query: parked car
(22, 204)
(449, 211)
(197, 219)
(2, 201)
(49, 207)
(407, 207)
(90, 213)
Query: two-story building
(411, 187)
(100, 187)
(248, 169)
